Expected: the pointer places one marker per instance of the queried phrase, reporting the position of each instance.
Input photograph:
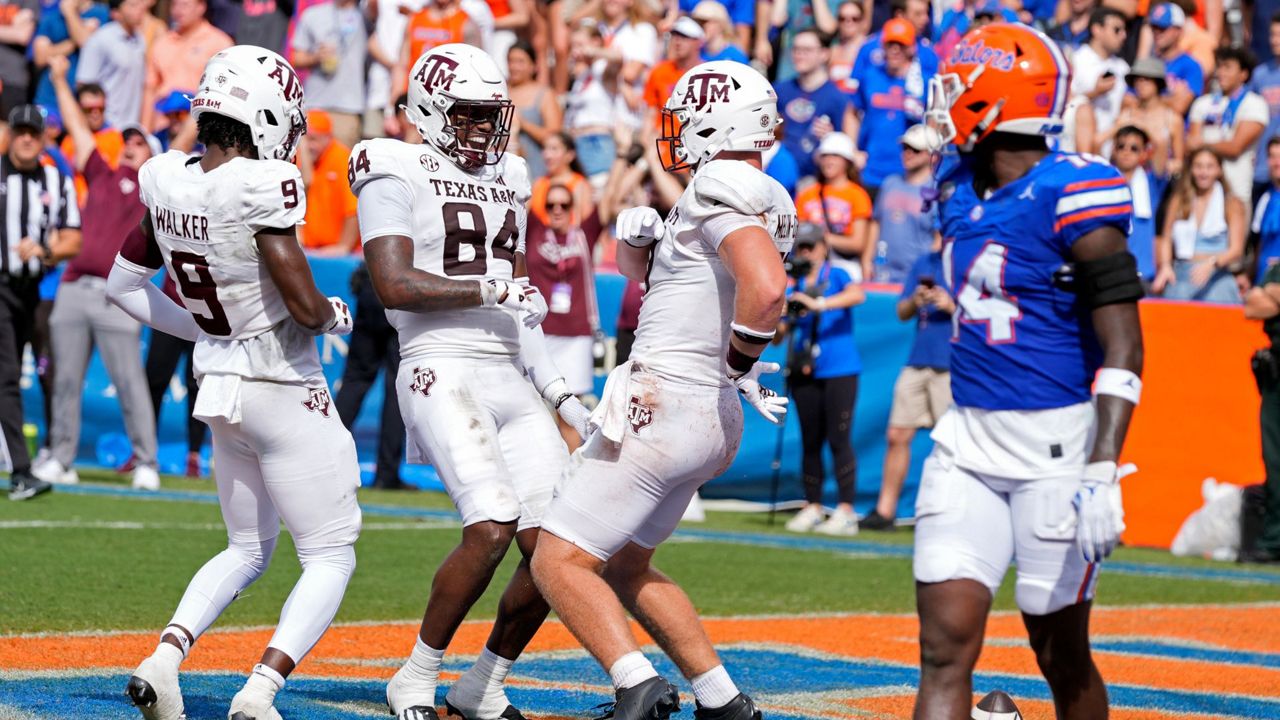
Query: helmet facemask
(671, 148)
(479, 131)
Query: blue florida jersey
(1019, 342)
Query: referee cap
(28, 116)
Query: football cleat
(417, 712)
(269, 714)
(997, 705)
(510, 713)
(739, 708)
(153, 689)
(404, 700)
(653, 699)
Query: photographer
(923, 390)
(1263, 303)
(822, 371)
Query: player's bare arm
(289, 270)
(401, 286)
(1120, 334)
(752, 259)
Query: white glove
(1100, 509)
(639, 226)
(535, 317)
(766, 402)
(510, 295)
(341, 324)
(573, 412)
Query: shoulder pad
(380, 157)
(152, 172)
(734, 184)
(274, 196)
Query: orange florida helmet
(1003, 77)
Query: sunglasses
(908, 148)
(558, 206)
(92, 108)
(1131, 147)
(851, 18)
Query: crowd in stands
(1183, 96)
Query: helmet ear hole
(706, 132)
(270, 117)
(977, 107)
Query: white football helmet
(260, 89)
(717, 106)
(458, 101)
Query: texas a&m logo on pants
(638, 414)
(318, 401)
(423, 379)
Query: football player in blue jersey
(1046, 364)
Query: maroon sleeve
(140, 248)
(591, 227)
(95, 168)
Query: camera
(927, 282)
(797, 267)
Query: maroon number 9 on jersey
(202, 289)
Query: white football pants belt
(610, 414)
(219, 397)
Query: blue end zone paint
(1220, 656)
(767, 673)
(805, 542)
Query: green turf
(63, 578)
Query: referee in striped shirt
(39, 227)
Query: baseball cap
(809, 234)
(836, 143)
(688, 27)
(996, 9)
(921, 137)
(898, 30)
(710, 10)
(28, 116)
(175, 101)
(1167, 15)
(319, 123)
(152, 141)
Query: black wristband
(564, 397)
(739, 361)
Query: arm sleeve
(129, 286)
(536, 359)
(385, 207)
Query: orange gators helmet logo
(1003, 77)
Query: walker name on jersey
(475, 193)
(182, 225)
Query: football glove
(533, 318)
(509, 295)
(1100, 509)
(577, 416)
(766, 402)
(639, 226)
(341, 324)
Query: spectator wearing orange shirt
(329, 226)
(177, 58)
(93, 103)
(439, 23)
(838, 203)
(685, 51)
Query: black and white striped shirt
(34, 203)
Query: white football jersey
(463, 226)
(684, 321)
(204, 225)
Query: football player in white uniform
(222, 225)
(670, 419)
(443, 226)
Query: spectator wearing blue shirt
(787, 19)
(1184, 78)
(811, 105)
(781, 165)
(1073, 32)
(970, 16)
(890, 99)
(902, 229)
(63, 29)
(923, 390)
(1266, 217)
(721, 40)
(1265, 81)
(872, 53)
(1131, 155)
(822, 373)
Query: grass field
(814, 627)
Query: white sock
(479, 691)
(424, 663)
(181, 636)
(260, 689)
(631, 670)
(714, 688)
(168, 654)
